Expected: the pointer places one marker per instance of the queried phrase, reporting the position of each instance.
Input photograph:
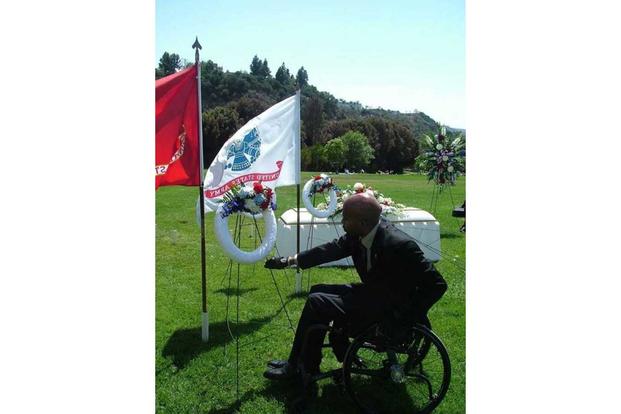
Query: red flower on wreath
(257, 187)
(268, 197)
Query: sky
(394, 54)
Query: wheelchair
(394, 366)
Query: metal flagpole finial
(196, 46)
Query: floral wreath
(389, 207)
(442, 160)
(319, 184)
(259, 199)
(253, 201)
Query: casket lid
(410, 214)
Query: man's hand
(276, 263)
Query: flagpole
(298, 273)
(204, 315)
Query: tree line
(336, 134)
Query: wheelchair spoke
(370, 372)
(429, 387)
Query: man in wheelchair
(396, 279)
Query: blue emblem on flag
(242, 154)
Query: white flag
(266, 149)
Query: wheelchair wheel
(411, 377)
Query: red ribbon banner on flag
(271, 176)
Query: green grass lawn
(197, 377)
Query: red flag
(176, 129)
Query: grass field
(197, 377)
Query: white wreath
(308, 203)
(224, 237)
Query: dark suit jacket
(399, 271)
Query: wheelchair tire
(414, 379)
(426, 342)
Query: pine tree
(169, 64)
(265, 70)
(256, 66)
(302, 77)
(282, 74)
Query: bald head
(361, 212)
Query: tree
(334, 151)
(302, 77)
(335, 129)
(396, 147)
(329, 103)
(282, 74)
(306, 158)
(265, 70)
(312, 117)
(234, 86)
(256, 66)
(211, 79)
(249, 107)
(314, 158)
(259, 68)
(392, 140)
(358, 153)
(219, 124)
(169, 64)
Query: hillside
(230, 99)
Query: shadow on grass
(274, 390)
(332, 399)
(451, 236)
(288, 393)
(233, 291)
(186, 344)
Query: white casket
(419, 224)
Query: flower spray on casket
(389, 207)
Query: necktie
(363, 257)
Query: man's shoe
(277, 363)
(285, 372)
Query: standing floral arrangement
(442, 160)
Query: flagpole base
(205, 327)
(298, 282)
